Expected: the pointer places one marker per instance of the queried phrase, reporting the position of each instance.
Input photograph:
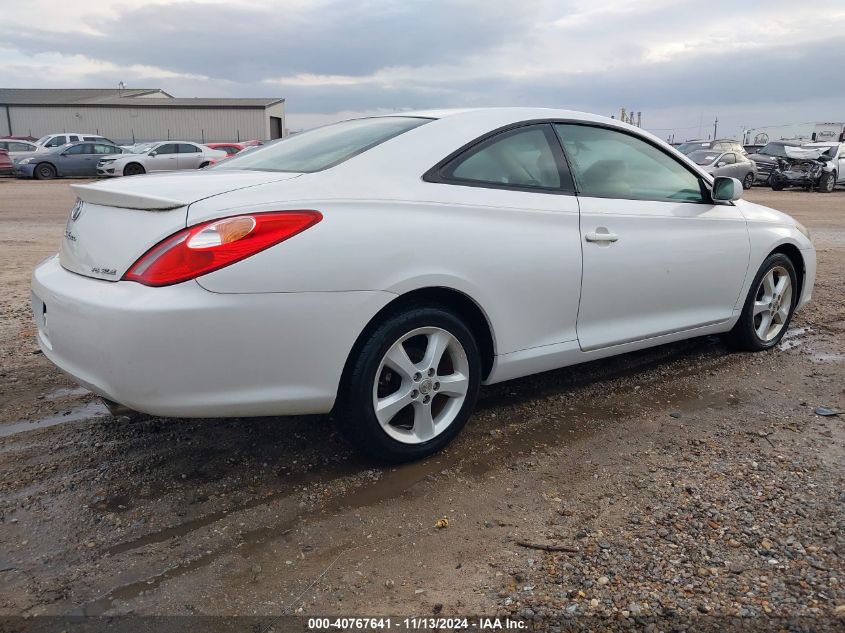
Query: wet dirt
(103, 515)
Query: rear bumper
(187, 352)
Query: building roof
(68, 96)
(127, 97)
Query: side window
(611, 164)
(527, 157)
(728, 159)
(5, 145)
(167, 148)
(99, 148)
(90, 138)
(187, 148)
(73, 138)
(19, 147)
(82, 148)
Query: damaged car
(819, 166)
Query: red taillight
(209, 246)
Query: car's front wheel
(768, 307)
(45, 171)
(411, 385)
(134, 169)
(827, 182)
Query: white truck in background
(800, 132)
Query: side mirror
(153, 154)
(726, 189)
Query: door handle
(601, 235)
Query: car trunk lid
(114, 222)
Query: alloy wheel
(421, 385)
(772, 303)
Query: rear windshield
(322, 147)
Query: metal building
(133, 114)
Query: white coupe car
(163, 156)
(386, 267)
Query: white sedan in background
(386, 267)
(162, 156)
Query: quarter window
(611, 164)
(527, 157)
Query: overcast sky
(681, 62)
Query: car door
(83, 161)
(512, 190)
(68, 160)
(166, 158)
(190, 156)
(658, 255)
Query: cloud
(679, 61)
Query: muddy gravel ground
(683, 483)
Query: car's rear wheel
(768, 307)
(411, 385)
(204, 165)
(134, 169)
(827, 182)
(45, 171)
(748, 181)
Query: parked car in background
(719, 145)
(5, 163)
(728, 164)
(57, 140)
(73, 159)
(818, 166)
(486, 245)
(18, 147)
(14, 137)
(752, 149)
(161, 156)
(230, 148)
(766, 158)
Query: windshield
(42, 140)
(703, 157)
(141, 148)
(686, 148)
(322, 147)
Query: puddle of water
(792, 338)
(94, 409)
(66, 392)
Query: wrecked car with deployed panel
(818, 166)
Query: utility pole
(715, 127)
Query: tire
(827, 183)
(134, 169)
(748, 181)
(748, 333)
(204, 165)
(44, 171)
(371, 376)
(776, 183)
